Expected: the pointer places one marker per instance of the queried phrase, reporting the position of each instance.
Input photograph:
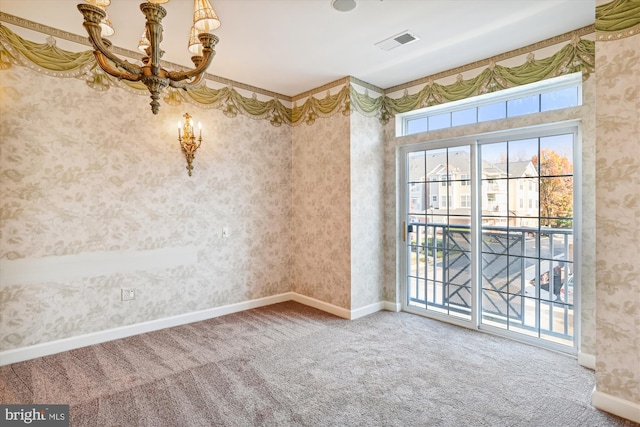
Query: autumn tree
(556, 187)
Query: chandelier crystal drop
(150, 73)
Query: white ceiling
(292, 46)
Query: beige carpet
(291, 365)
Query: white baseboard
(38, 350)
(343, 312)
(366, 310)
(321, 305)
(615, 405)
(392, 306)
(587, 360)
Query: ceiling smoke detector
(343, 5)
(397, 40)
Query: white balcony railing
(526, 275)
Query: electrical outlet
(127, 294)
(225, 231)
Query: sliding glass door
(488, 234)
(527, 200)
(438, 250)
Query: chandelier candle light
(187, 139)
(155, 78)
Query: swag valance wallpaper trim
(617, 19)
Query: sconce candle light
(188, 141)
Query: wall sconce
(187, 139)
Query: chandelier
(154, 77)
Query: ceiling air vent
(397, 40)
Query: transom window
(546, 95)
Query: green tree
(556, 188)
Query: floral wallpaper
(392, 228)
(618, 217)
(589, 242)
(367, 211)
(338, 211)
(321, 224)
(85, 172)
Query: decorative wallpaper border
(620, 18)
(577, 56)
(524, 50)
(617, 19)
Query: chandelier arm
(209, 42)
(207, 57)
(106, 66)
(92, 18)
(103, 49)
(186, 85)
